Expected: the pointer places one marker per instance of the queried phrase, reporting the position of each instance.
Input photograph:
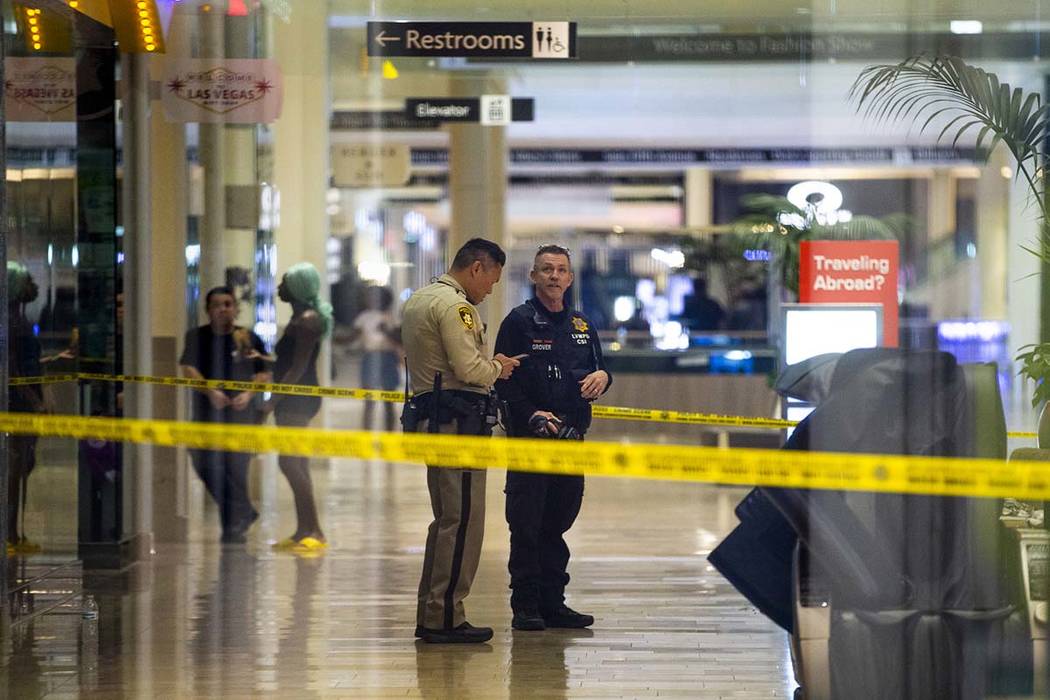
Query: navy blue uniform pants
(540, 510)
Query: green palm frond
(927, 88)
(859, 228)
(966, 99)
(769, 204)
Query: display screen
(811, 330)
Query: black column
(3, 324)
(100, 501)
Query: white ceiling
(733, 15)
(677, 105)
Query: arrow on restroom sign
(383, 39)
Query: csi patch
(466, 317)
(579, 324)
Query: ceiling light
(966, 26)
(814, 194)
(623, 309)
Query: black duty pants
(225, 476)
(540, 510)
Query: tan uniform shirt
(442, 332)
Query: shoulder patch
(579, 324)
(466, 317)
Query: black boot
(527, 618)
(464, 634)
(565, 617)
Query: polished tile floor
(208, 621)
(202, 620)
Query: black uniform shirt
(563, 348)
(222, 357)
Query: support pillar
(698, 213)
(477, 184)
(300, 152)
(698, 197)
(103, 499)
(170, 207)
(138, 290)
(212, 27)
(993, 198)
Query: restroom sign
(535, 40)
(852, 272)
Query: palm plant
(947, 90)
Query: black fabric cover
(756, 558)
(920, 604)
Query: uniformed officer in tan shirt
(442, 332)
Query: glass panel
(770, 236)
(42, 277)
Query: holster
(470, 411)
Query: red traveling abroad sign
(852, 272)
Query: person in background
(223, 350)
(23, 360)
(700, 311)
(380, 338)
(296, 363)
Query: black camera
(538, 425)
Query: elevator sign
(537, 40)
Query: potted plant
(776, 224)
(967, 99)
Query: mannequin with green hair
(24, 360)
(296, 363)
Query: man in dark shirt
(700, 311)
(548, 395)
(222, 350)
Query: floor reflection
(224, 624)
(451, 670)
(294, 672)
(541, 662)
(202, 620)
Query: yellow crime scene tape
(1027, 480)
(651, 415)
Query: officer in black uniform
(549, 396)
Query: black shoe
(420, 631)
(233, 537)
(464, 634)
(565, 617)
(528, 619)
(236, 532)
